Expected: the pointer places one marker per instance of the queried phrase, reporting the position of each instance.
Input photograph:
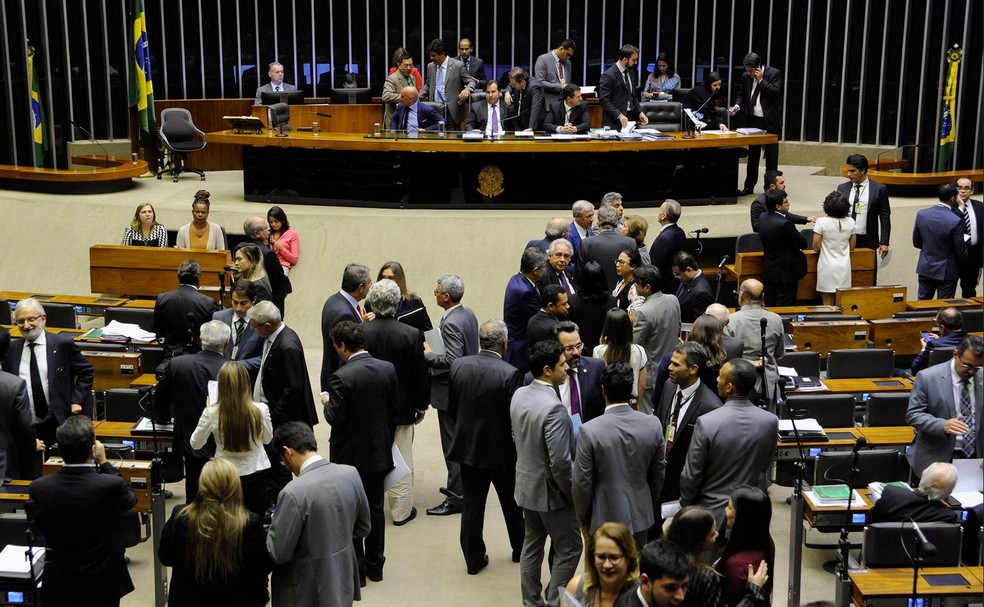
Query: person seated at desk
(568, 115)
(923, 505)
(489, 115)
(249, 265)
(412, 116)
(200, 233)
(951, 334)
(702, 100)
(276, 84)
(144, 231)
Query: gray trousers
(561, 527)
(447, 423)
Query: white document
(968, 499)
(435, 341)
(802, 425)
(787, 371)
(629, 127)
(717, 132)
(213, 391)
(969, 477)
(13, 561)
(399, 472)
(587, 90)
(697, 121)
(670, 508)
(131, 331)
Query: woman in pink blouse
(284, 241)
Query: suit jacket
(542, 431)
(545, 70)
(183, 389)
(618, 471)
(670, 241)
(758, 209)
(459, 331)
(604, 248)
(456, 79)
(734, 346)
(171, 321)
(557, 112)
(770, 97)
(16, 429)
(783, 260)
(521, 302)
(69, 373)
(250, 344)
(939, 234)
(589, 386)
(476, 69)
(480, 390)
(335, 310)
(427, 117)
(540, 327)
(900, 505)
(745, 324)
(696, 296)
(704, 401)
(657, 329)
(286, 383)
(950, 340)
(930, 405)
(975, 253)
(551, 277)
(575, 237)
(402, 345)
(310, 538)
(362, 413)
(478, 119)
(83, 560)
(529, 105)
(268, 88)
(879, 211)
(615, 98)
(392, 86)
(732, 446)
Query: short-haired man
(18, 445)
(950, 321)
(257, 231)
(553, 70)
(479, 392)
(664, 572)
(343, 305)
(568, 115)
(524, 97)
(783, 263)
(656, 327)
(761, 96)
(245, 346)
(774, 180)
(393, 87)
(447, 83)
(319, 514)
(606, 245)
(617, 90)
(870, 207)
(178, 313)
(940, 235)
(276, 85)
(581, 393)
(411, 115)
(746, 325)
(670, 241)
(732, 446)
(694, 293)
(618, 470)
(555, 229)
(521, 302)
(558, 270)
(473, 65)
(77, 509)
(555, 308)
(542, 431)
(971, 213)
(925, 504)
(488, 115)
(583, 213)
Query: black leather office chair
(940, 355)
(181, 137)
(830, 410)
(6, 314)
(62, 316)
(891, 544)
(881, 465)
(748, 243)
(151, 358)
(973, 319)
(915, 314)
(278, 116)
(807, 364)
(664, 116)
(124, 405)
(142, 317)
(875, 362)
(886, 409)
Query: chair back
(61, 316)
(177, 125)
(887, 409)
(874, 362)
(748, 243)
(891, 544)
(141, 317)
(277, 114)
(662, 115)
(151, 358)
(6, 314)
(940, 355)
(124, 405)
(874, 465)
(830, 410)
(973, 319)
(807, 364)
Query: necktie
(440, 83)
(37, 388)
(966, 218)
(240, 327)
(567, 116)
(560, 71)
(406, 118)
(495, 121)
(412, 122)
(967, 414)
(681, 290)
(856, 206)
(575, 394)
(277, 88)
(671, 426)
(565, 283)
(625, 76)
(755, 95)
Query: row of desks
(94, 305)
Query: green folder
(832, 492)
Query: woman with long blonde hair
(611, 567)
(215, 547)
(241, 427)
(144, 231)
(248, 260)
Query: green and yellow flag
(39, 136)
(947, 127)
(141, 83)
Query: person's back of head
(606, 217)
(751, 292)
(384, 298)
(648, 275)
(215, 335)
(265, 313)
(617, 383)
(543, 357)
(350, 334)
(453, 286)
(532, 259)
(947, 192)
(75, 439)
(750, 529)
(938, 480)
(189, 272)
(593, 283)
(354, 276)
(672, 209)
(774, 199)
(216, 520)
(742, 375)
(493, 335)
(950, 320)
(690, 529)
(296, 436)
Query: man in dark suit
(761, 98)
(950, 321)
(402, 345)
(774, 180)
(870, 207)
(447, 82)
(783, 263)
(580, 228)
(183, 391)
(581, 393)
(605, 246)
(521, 302)
(569, 115)
(925, 504)
(971, 212)
(18, 445)
(670, 241)
(525, 100)
(413, 116)
(362, 409)
(556, 228)
(343, 305)
(473, 65)
(939, 234)
(245, 346)
(558, 272)
(276, 84)
(490, 114)
(554, 310)
(459, 332)
(78, 509)
(179, 313)
(58, 383)
(257, 231)
(694, 292)
(617, 91)
(479, 392)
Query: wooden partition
(872, 302)
(827, 335)
(148, 271)
(749, 265)
(901, 334)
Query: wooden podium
(901, 334)
(150, 271)
(826, 335)
(872, 302)
(749, 265)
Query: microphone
(229, 269)
(858, 444)
(764, 323)
(928, 547)
(86, 132)
(700, 231)
(724, 260)
(322, 114)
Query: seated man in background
(568, 115)
(489, 115)
(276, 84)
(923, 505)
(950, 335)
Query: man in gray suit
(276, 84)
(542, 432)
(605, 246)
(553, 70)
(317, 516)
(395, 83)
(746, 325)
(615, 453)
(656, 327)
(447, 82)
(459, 332)
(945, 407)
(732, 446)
(245, 345)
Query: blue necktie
(440, 83)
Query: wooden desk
(827, 519)
(901, 334)
(865, 385)
(872, 302)
(749, 265)
(113, 369)
(888, 436)
(13, 495)
(825, 335)
(148, 271)
(142, 304)
(111, 174)
(136, 473)
(147, 379)
(937, 304)
(868, 584)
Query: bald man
(745, 324)
(556, 228)
(411, 116)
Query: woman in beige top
(200, 233)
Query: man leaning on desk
(276, 84)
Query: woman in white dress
(834, 238)
(617, 347)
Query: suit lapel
(51, 350)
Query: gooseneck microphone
(700, 231)
(724, 260)
(928, 547)
(86, 132)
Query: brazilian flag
(37, 113)
(947, 127)
(141, 83)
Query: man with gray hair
(179, 313)
(343, 305)
(183, 391)
(257, 231)
(579, 229)
(614, 200)
(670, 241)
(924, 505)
(556, 228)
(480, 389)
(606, 246)
(560, 255)
(402, 345)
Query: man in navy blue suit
(671, 240)
(521, 302)
(583, 213)
(939, 234)
(411, 116)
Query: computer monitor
(351, 96)
(291, 98)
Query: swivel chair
(180, 137)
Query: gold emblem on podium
(490, 180)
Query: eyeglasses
(574, 347)
(27, 320)
(620, 262)
(966, 365)
(614, 559)
(464, 48)
(436, 292)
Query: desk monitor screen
(859, 518)
(351, 96)
(291, 98)
(893, 383)
(945, 579)
(14, 597)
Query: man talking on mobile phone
(761, 100)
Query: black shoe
(444, 509)
(481, 565)
(746, 191)
(376, 576)
(410, 517)
(448, 493)
(362, 581)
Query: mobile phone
(926, 336)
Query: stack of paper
(13, 562)
(808, 429)
(828, 496)
(133, 332)
(877, 488)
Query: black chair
(99, 346)
(875, 465)
(748, 243)
(940, 355)
(807, 364)
(124, 405)
(6, 314)
(830, 410)
(151, 357)
(973, 319)
(663, 115)
(891, 544)
(875, 362)
(807, 234)
(916, 314)
(180, 137)
(887, 409)
(62, 316)
(141, 317)
(830, 316)
(278, 116)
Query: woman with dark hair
(248, 260)
(200, 233)
(284, 241)
(749, 514)
(611, 567)
(695, 530)
(411, 310)
(708, 92)
(215, 547)
(144, 231)
(625, 291)
(617, 347)
(705, 331)
(663, 81)
(590, 303)
(834, 238)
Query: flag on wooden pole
(948, 129)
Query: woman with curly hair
(834, 238)
(611, 567)
(200, 233)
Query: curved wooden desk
(112, 174)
